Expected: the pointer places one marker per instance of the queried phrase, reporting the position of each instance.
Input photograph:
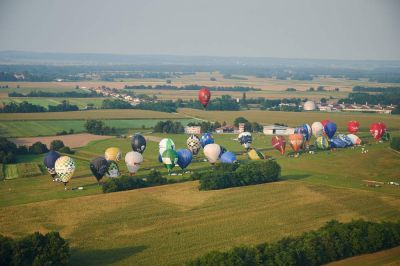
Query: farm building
(227, 129)
(193, 130)
(277, 130)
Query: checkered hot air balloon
(113, 170)
(193, 144)
(65, 168)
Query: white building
(309, 106)
(277, 130)
(193, 130)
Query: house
(226, 129)
(277, 130)
(193, 130)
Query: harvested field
(73, 141)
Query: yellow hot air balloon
(255, 155)
(113, 154)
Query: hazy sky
(341, 29)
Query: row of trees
(388, 97)
(115, 104)
(34, 249)
(169, 127)
(9, 150)
(189, 87)
(26, 107)
(98, 127)
(334, 241)
(235, 175)
(64, 94)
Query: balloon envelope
(345, 139)
(138, 143)
(212, 151)
(184, 158)
(279, 143)
(112, 170)
(317, 129)
(166, 144)
(354, 139)
(113, 154)
(322, 143)
(337, 142)
(99, 167)
(352, 127)
(330, 129)
(296, 141)
(206, 139)
(324, 122)
(245, 139)
(228, 157)
(377, 130)
(50, 161)
(255, 155)
(193, 144)
(204, 96)
(133, 160)
(65, 168)
(170, 158)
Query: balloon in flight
(204, 96)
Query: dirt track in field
(72, 141)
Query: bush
(38, 148)
(334, 241)
(130, 182)
(67, 150)
(35, 249)
(56, 145)
(8, 151)
(395, 143)
(233, 175)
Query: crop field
(295, 119)
(167, 225)
(90, 114)
(80, 102)
(33, 128)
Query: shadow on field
(103, 256)
(294, 177)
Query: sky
(320, 29)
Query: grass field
(51, 127)
(295, 119)
(80, 102)
(390, 257)
(11, 171)
(173, 223)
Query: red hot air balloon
(353, 126)
(204, 96)
(324, 122)
(377, 130)
(279, 143)
(296, 141)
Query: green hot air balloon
(169, 159)
(322, 143)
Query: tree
(38, 148)
(239, 120)
(323, 100)
(56, 144)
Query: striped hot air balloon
(322, 143)
(279, 143)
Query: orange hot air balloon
(204, 96)
(279, 143)
(296, 141)
(352, 127)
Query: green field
(80, 102)
(51, 127)
(11, 171)
(173, 223)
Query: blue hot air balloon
(346, 140)
(184, 158)
(337, 142)
(160, 158)
(206, 139)
(330, 129)
(223, 150)
(228, 157)
(50, 161)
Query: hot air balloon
(228, 157)
(345, 139)
(337, 142)
(255, 155)
(354, 139)
(223, 150)
(279, 143)
(322, 143)
(138, 143)
(296, 141)
(113, 154)
(212, 152)
(133, 160)
(113, 169)
(305, 130)
(330, 129)
(184, 158)
(170, 159)
(50, 160)
(159, 157)
(317, 129)
(165, 144)
(193, 144)
(99, 167)
(245, 139)
(204, 96)
(206, 139)
(65, 168)
(352, 127)
(377, 131)
(324, 122)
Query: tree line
(189, 87)
(374, 89)
(386, 98)
(169, 127)
(98, 127)
(65, 94)
(26, 107)
(334, 241)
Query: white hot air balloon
(317, 129)
(133, 160)
(165, 144)
(354, 139)
(212, 152)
